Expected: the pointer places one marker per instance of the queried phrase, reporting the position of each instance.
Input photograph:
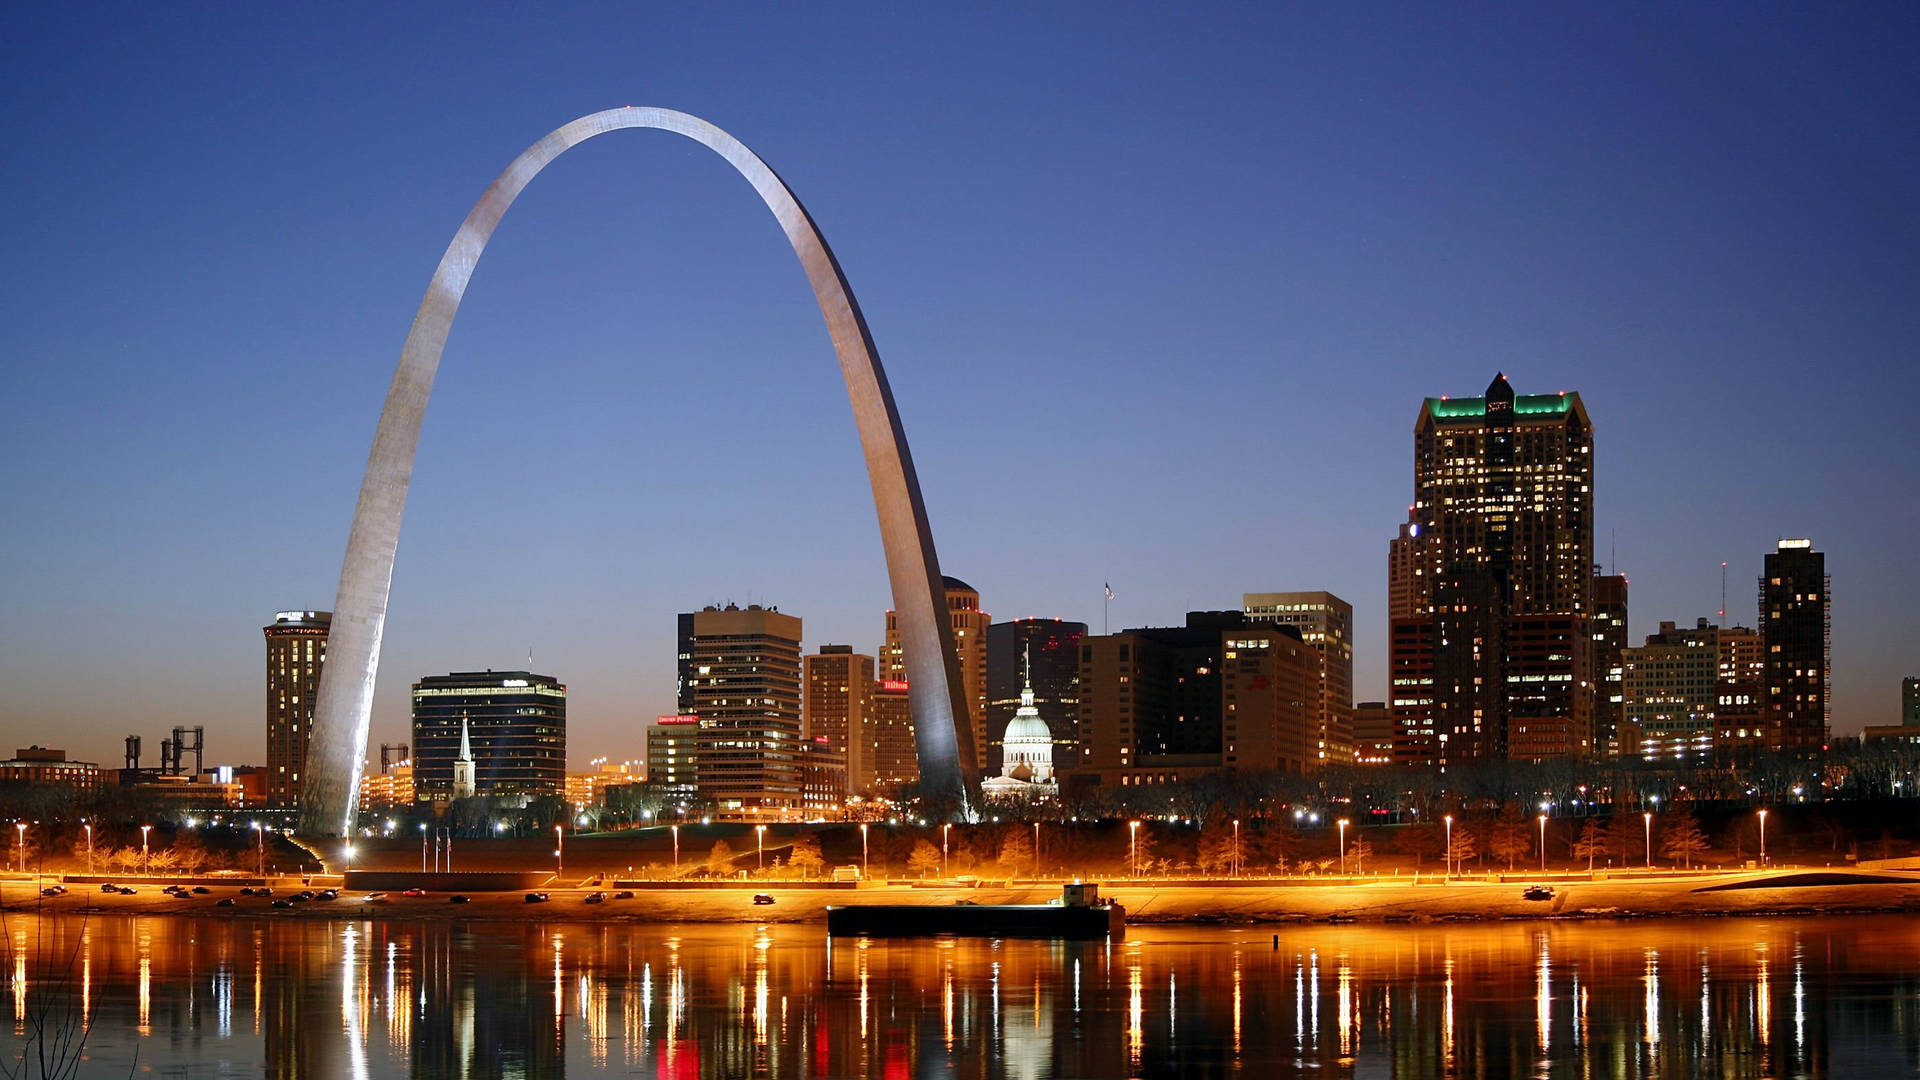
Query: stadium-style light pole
(1763, 837)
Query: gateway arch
(337, 746)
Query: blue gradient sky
(1159, 290)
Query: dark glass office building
(1053, 646)
(517, 722)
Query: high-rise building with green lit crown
(1503, 506)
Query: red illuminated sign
(894, 684)
(676, 719)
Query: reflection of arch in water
(338, 745)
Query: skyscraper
(1052, 645)
(969, 644)
(673, 748)
(1326, 623)
(1150, 700)
(1269, 687)
(1609, 626)
(890, 748)
(1501, 535)
(1794, 627)
(1910, 701)
(1372, 733)
(745, 676)
(296, 652)
(1739, 720)
(512, 726)
(839, 708)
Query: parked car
(225, 901)
(128, 890)
(538, 898)
(201, 890)
(109, 887)
(1538, 892)
(458, 899)
(414, 892)
(623, 894)
(762, 898)
(327, 894)
(263, 891)
(52, 890)
(296, 898)
(246, 890)
(303, 894)
(596, 898)
(283, 903)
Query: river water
(281, 998)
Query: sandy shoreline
(1358, 900)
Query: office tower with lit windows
(296, 652)
(673, 744)
(1270, 686)
(891, 751)
(1497, 562)
(970, 646)
(1910, 701)
(745, 688)
(1326, 623)
(838, 707)
(513, 724)
(1150, 700)
(1794, 627)
(1609, 626)
(1740, 718)
(1672, 692)
(1052, 646)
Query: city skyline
(165, 526)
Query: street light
(347, 868)
(144, 830)
(676, 846)
(945, 828)
(1647, 818)
(1763, 838)
(1449, 851)
(864, 865)
(1133, 849)
(1543, 843)
(559, 846)
(1236, 847)
(20, 827)
(1343, 844)
(760, 838)
(1036, 849)
(423, 845)
(89, 827)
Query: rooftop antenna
(1613, 552)
(1723, 592)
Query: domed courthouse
(1026, 768)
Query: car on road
(374, 898)
(263, 891)
(596, 898)
(623, 894)
(296, 898)
(538, 898)
(201, 890)
(246, 890)
(1538, 892)
(303, 894)
(762, 898)
(128, 890)
(458, 899)
(225, 901)
(414, 892)
(54, 890)
(327, 894)
(109, 887)
(283, 903)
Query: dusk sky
(1159, 290)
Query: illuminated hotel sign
(676, 719)
(899, 685)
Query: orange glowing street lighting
(1647, 817)
(1343, 844)
(1763, 837)
(1133, 849)
(144, 830)
(760, 840)
(1449, 851)
(1543, 842)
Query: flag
(1109, 586)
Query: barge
(1080, 913)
